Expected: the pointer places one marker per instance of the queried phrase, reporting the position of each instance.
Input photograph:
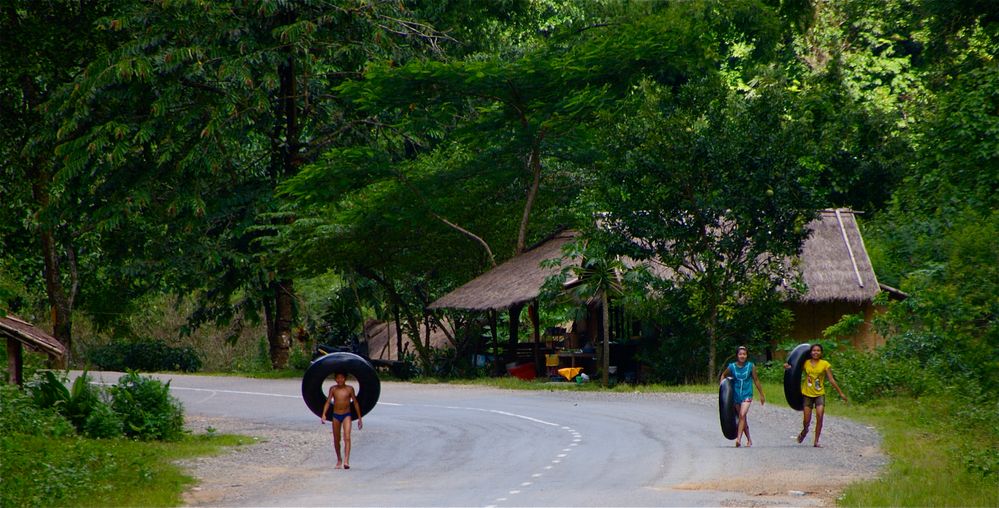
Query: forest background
(232, 176)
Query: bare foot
(748, 443)
(801, 437)
(339, 465)
(738, 444)
(817, 445)
(345, 466)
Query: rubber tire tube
(726, 409)
(369, 387)
(792, 376)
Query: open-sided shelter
(20, 334)
(509, 287)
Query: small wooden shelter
(20, 334)
(382, 338)
(510, 286)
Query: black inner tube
(369, 387)
(726, 409)
(792, 376)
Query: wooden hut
(840, 280)
(383, 340)
(20, 334)
(510, 287)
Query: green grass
(74, 471)
(930, 452)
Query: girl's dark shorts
(814, 401)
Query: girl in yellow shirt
(817, 372)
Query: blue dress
(743, 381)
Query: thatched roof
(31, 336)
(516, 281)
(834, 261)
(381, 338)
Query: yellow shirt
(815, 378)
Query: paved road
(440, 445)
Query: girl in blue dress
(742, 370)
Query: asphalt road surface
(444, 445)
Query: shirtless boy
(342, 396)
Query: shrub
(83, 405)
(144, 356)
(20, 415)
(102, 422)
(866, 376)
(147, 409)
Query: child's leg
(744, 422)
(820, 412)
(336, 442)
(346, 442)
(806, 421)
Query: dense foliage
(324, 164)
(137, 407)
(143, 356)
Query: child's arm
(756, 381)
(832, 381)
(724, 373)
(326, 407)
(357, 407)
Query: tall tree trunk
(398, 332)
(534, 166)
(284, 310)
(605, 315)
(712, 342)
(60, 301)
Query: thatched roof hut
(837, 270)
(382, 340)
(834, 261)
(834, 265)
(515, 282)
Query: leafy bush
(866, 376)
(102, 422)
(147, 409)
(20, 415)
(83, 405)
(144, 356)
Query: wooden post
(497, 360)
(532, 312)
(511, 351)
(15, 362)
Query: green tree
(495, 146)
(709, 186)
(194, 121)
(44, 48)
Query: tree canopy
(229, 152)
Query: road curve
(445, 445)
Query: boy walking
(342, 397)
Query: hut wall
(811, 319)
